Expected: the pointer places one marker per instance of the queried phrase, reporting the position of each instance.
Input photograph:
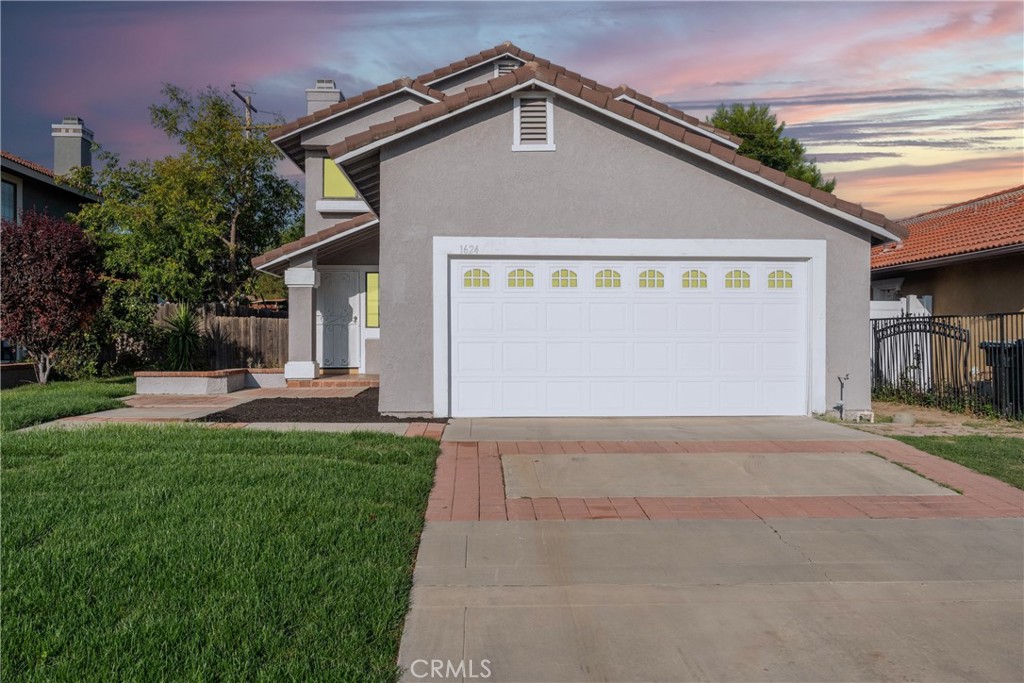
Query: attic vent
(505, 67)
(534, 129)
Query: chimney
(72, 145)
(322, 95)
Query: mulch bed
(359, 408)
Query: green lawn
(191, 553)
(33, 403)
(1001, 457)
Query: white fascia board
(504, 55)
(813, 252)
(707, 156)
(681, 122)
(313, 247)
(426, 98)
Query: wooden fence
(239, 337)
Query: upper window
(520, 277)
(695, 279)
(563, 278)
(10, 201)
(780, 279)
(533, 129)
(737, 279)
(476, 278)
(336, 184)
(608, 278)
(373, 299)
(652, 279)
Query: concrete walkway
(713, 550)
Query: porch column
(302, 280)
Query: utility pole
(249, 110)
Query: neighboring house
(529, 242)
(28, 185)
(968, 257)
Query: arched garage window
(737, 279)
(780, 279)
(520, 277)
(476, 278)
(695, 279)
(652, 279)
(608, 278)
(563, 278)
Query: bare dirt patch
(936, 422)
(359, 408)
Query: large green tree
(763, 140)
(186, 226)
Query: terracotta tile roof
(362, 98)
(420, 85)
(677, 113)
(311, 240)
(27, 164)
(989, 222)
(603, 100)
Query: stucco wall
(317, 139)
(601, 182)
(993, 285)
(460, 82)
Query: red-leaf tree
(50, 284)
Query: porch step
(335, 381)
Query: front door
(337, 318)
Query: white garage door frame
(449, 249)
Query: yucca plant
(184, 340)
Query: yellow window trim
(373, 299)
(336, 185)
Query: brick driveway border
(469, 486)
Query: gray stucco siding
(603, 181)
(318, 138)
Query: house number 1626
(470, 249)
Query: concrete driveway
(713, 550)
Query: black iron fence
(957, 362)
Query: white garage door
(569, 337)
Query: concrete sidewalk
(786, 600)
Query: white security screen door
(337, 318)
(570, 337)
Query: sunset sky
(911, 105)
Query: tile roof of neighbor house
(312, 240)
(27, 164)
(603, 99)
(989, 222)
(421, 85)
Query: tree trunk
(42, 367)
(233, 255)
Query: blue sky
(910, 105)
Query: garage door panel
(522, 357)
(653, 317)
(642, 343)
(653, 357)
(520, 317)
(565, 317)
(695, 318)
(565, 357)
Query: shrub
(184, 340)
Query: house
(505, 237)
(28, 185)
(968, 257)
